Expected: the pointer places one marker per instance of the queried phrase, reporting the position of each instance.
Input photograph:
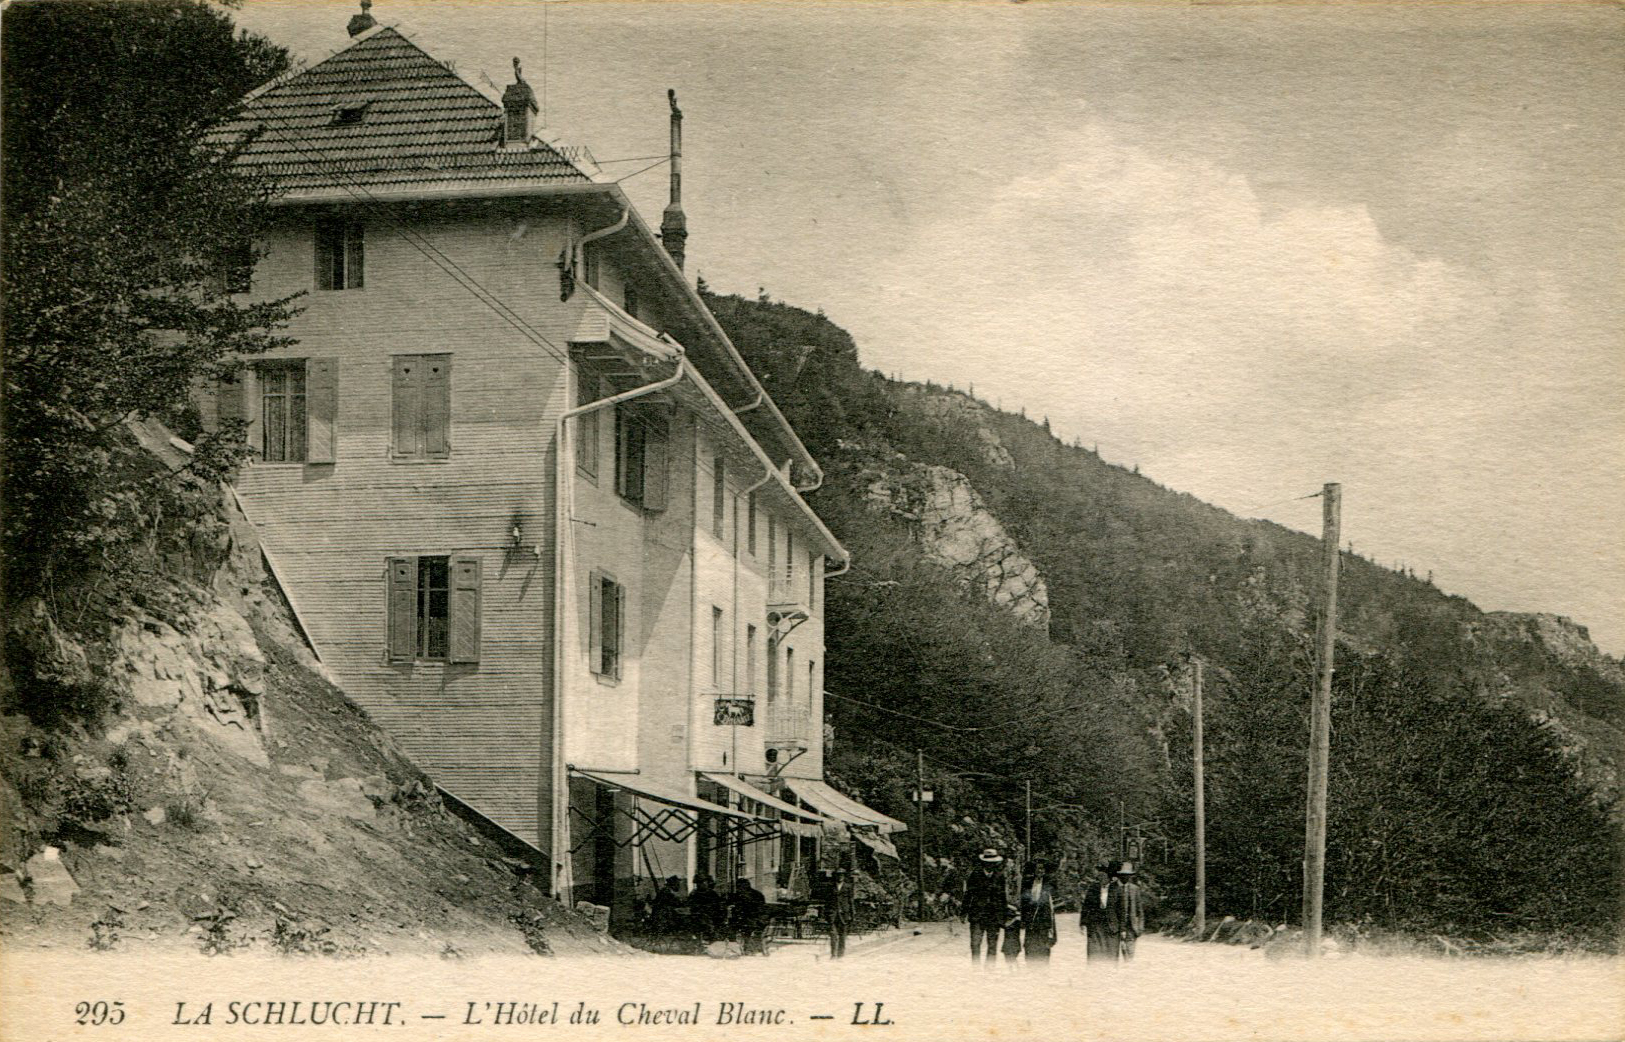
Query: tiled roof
(421, 123)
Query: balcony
(786, 595)
(788, 726)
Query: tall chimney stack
(362, 22)
(673, 225)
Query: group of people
(1111, 915)
(707, 913)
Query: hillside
(1021, 608)
(176, 773)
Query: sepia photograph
(1073, 520)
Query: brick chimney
(362, 22)
(518, 110)
(673, 225)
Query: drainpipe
(562, 503)
(761, 396)
(626, 215)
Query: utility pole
(1320, 727)
(919, 822)
(1201, 808)
(1029, 848)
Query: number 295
(96, 1014)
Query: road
(1178, 990)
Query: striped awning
(797, 816)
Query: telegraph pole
(1201, 809)
(919, 822)
(1320, 727)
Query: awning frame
(675, 821)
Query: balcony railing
(785, 594)
(788, 725)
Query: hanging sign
(736, 712)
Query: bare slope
(233, 798)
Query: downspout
(626, 215)
(563, 501)
(761, 396)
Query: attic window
(349, 115)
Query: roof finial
(519, 77)
(362, 22)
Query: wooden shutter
(620, 629)
(436, 409)
(465, 610)
(403, 608)
(407, 385)
(324, 256)
(228, 397)
(354, 257)
(595, 623)
(321, 410)
(655, 469)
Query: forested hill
(1018, 607)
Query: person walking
(1095, 910)
(1037, 907)
(1128, 917)
(839, 911)
(986, 904)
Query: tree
(123, 224)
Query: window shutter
(354, 258)
(321, 409)
(465, 610)
(620, 629)
(436, 407)
(324, 256)
(595, 623)
(403, 608)
(407, 383)
(654, 467)
(229, 394)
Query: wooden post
(1201, 809)
(1320, 728)
(1029, 848)
(919, 823)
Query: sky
(1249, 248)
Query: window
(589, 267)
(282, 411)
(640, 457)
(719, 495)
(772, 669)
(351, 115)
(812, 674)
(606, 611)
(630, 298)
(790, 678)
(339, 255)
(750, 660)
(422, 407)
(237, 269)
(750, 524)
(716, 648)
(434, 608)
(812, 579)
(789, 563)
(290, 407)
(587, 426)
(772, 549)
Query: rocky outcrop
(961, 412)
(956, 530)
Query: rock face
(956, 530)
(960, 411)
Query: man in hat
(1095, 909)
(1128, 914)
(986, 905)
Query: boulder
(11, 888)
(598, 915)
(343, 796)
(49, 882)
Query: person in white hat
(986, 905)
(1127, 912)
